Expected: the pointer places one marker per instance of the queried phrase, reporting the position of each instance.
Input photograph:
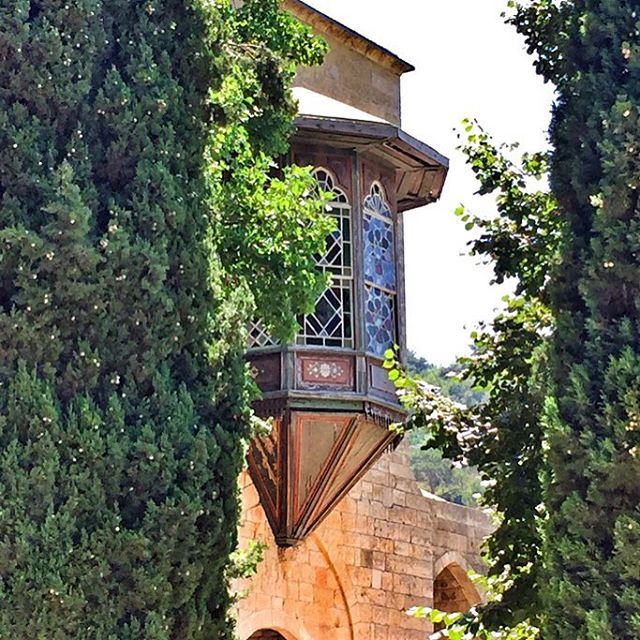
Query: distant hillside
(433, 472)
(445, 378)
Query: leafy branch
(503, 437)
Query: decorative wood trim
(302, 512)
(338, 161)
(265, 464)
(418, 153)
(382, 416)
(341, 448)
(401, 287)
(271, 407)
(379, 379)
(385, 441)
(420, 170)
(374, 171)
(358, 258)
(266, 370)
(324, 371)
(298, 484)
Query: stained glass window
(380, 320)
(379, 258)
(331, 324)
(379, 272)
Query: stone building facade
(385, 548)
(352, 542)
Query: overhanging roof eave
(373, 131)
(421, 170)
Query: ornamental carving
(325, 371)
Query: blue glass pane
(379, 259)
(380, 321)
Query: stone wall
(356, 71)
(350, 78)
(377, 554)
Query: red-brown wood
(338, 161)
(267, 371)
(308, 463)
(325, 371)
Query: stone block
(361, 577)
(376, 579)
(401, 471)
(381, 615)
(322, 578)
(379, 560)
(316, 559)
(402, 548)
(366, 558)
(381, 633)
(306, 592)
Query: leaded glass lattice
(259, 336)
(379, 272)
(331, 324)
(337, 258)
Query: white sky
(468, 63)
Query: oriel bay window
(328, 393)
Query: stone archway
(267, 634)
(269, 621)
(453, 590)
(457, 576)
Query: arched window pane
(379, 272)
(331, 325)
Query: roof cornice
(363, 45)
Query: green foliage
(437, 475)
(434, 473)
(244, 564)
(468, 625)
(591, 51)
(562, 363)
(447, 379)
(141, 226)
(502, 437)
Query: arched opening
(453, 591)
(267, 634)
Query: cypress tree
(139, 230)
(591, 51)
(571, 562)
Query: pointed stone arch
(341, 576)
(453, 590)
(280, 625)
(267, 634)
